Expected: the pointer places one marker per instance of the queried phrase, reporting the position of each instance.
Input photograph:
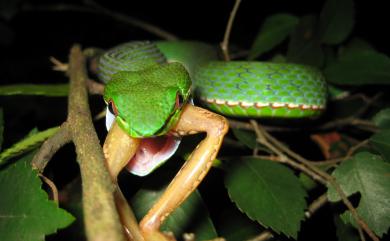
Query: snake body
(235, 88)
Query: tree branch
(225, 42)
(50, 147)
(285, 153)
(100, 215)
(316, 204)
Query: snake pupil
(179, 101)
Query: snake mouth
(151, 153)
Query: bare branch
(50, 147)
(316, 204)
(98, 9)
(100, 215)
(225, 42)
(286, 154)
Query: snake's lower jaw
(110, 118)
(118, 149)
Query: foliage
(25, 212)
(30, 89)
(30, 142)
(254, 185)
(1, 127)
(182, 218)
(274, 189)
(367, 174)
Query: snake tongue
(151, 153)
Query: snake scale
(234, 88)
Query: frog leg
(118, 149)
(193, 120)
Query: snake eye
(112, 108)
(179, 101)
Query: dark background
(29, 35)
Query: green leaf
(27, 144)
(267, 192)
(1, 127)
(381, 142)
(382, 118)
(275, 29)
(25, 211)
(345, 232)
(191, 217)
(329, 55)
(31, 89)
(356, 44)
(335, 93)
(346, 107)
(248, 138)
(278, 58)
(336, 20)
(367, 174)
(305, 46)
(359, 67)
(307, 182)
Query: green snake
(148, 84)
(234, 88)
(149, 87)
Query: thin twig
(225, 42)
(302, 168)
(236, 124)
(50, 147)
(262, 236)
(316, 204)
(53, 188)
(369, 102)
(283, 158)
(330, 180)
(58, 65)
(350, 121)
(354, 119)
(335, 161)
(135, 22)
(353, 149)
(95, 88)
(98, 9)
(276, 145)
(240, 125)
(329, 162)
